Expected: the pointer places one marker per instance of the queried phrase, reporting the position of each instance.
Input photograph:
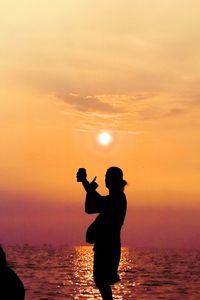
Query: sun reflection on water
(83, 265)
(60, 273)
(85, 287)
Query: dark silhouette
(11, 287)
(104, 232)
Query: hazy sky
(71, 69)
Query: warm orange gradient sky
(70, 69)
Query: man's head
(114, 178)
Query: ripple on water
(66, 273)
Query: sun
(104, 138)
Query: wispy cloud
(173, 112)
(118, 131)
(104, 104)
(111, 112)
(91, 104)
(122, 113)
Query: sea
(58, 273)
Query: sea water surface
(66, 273)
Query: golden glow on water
(83, 265)
(66, 273)
(83, 275)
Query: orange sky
(72, 69)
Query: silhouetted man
(105, 231)
(11, 287)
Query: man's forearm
(86, 185)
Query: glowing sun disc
(104, 138)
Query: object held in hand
(81, 175)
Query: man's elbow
(89, 210)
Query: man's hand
(81, 176)
(93, 184)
